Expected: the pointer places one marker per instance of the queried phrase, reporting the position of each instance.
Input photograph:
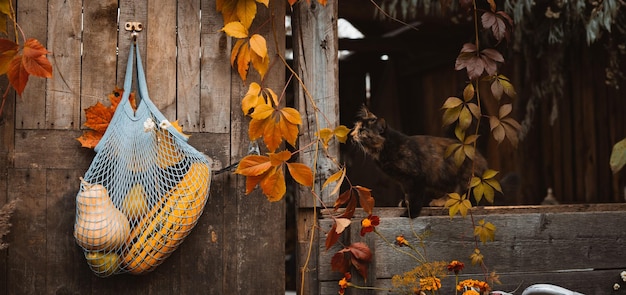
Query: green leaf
(618, 156)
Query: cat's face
(368, 132)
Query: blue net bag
(144, 190)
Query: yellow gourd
(103, 264)
(135, 203)
(99, 224)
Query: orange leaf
(34, 59)
(235, 51)
(264, 2)
(279, 158)
(256, 129)
(301, 173)
(253, 165)
(272, 135)
(260, 64)
(251, 182)
(323, 2)
(8, 50)
(90, 138)
(292, 2)
(227, 8)
(18, 76)
(262, 112)
(98, 117)
(273, 185)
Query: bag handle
(142, 87)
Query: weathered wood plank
(526, 243)
(594, 282)
(160, 59)
(50, 149)
(26, 269)
(99, 61)
(64, 41)
(215, 89)
(66, 268)
(315, 61)
(188, 65)
(130, 11)
(30, 109)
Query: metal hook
(134, 28)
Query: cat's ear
(381, 125)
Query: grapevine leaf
(34, 59)
(254, 165)
(301, 173)
(273, 184)
(485, 231)
(365, 199)
(618, 156)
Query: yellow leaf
(252, 98)
(260, 64)
(341, 132)
(256, 129)
(271, 94)
(336, 177)
(246, 11)
(288, 130)
(235, 51)
(5, 7)
(243, 61)
(262, 111)
(258, 45)
(489, 173)
(301, 173)
(476, 257)
(292, 115)
(325, 135)
(452, 102)
(465, 118)
(451, 115)
(485, 231)
(235, 29)
(227, 8)
(468, 92)
(272, 135)
(457, 204)
(618, 156)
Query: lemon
(103, 264)
(135, 204)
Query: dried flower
(401, 241)
(476, 285)
(430, 284)
(623, 275)
(616, 286)
(344, 283)
(368, 224)
(148, 125)
(456, 266)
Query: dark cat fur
(417, 162)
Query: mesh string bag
(144, 190)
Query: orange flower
(475, 285)
(470, 292)
(456, 266)
(344, 284)
(401, 241)
(430, 284)
(368, 224)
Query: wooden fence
(237, 246)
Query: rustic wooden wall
(533, 245)
(189, 77)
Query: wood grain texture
(215, 110)
(64, 41)
(130, 11)
(188, 65)
(566, 247)
(30, 108)
(99, 60)
(315, 61)
(160, 58)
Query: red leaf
(18, 76)
(365, 199)
(340, 262)
(331, 238)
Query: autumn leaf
(485, 231)
(32, 61)
(485, 186)
(332, 237)
(475, 63)
(496, 24)
(503, 126)
(476, 257)
(463, 149)
(365, 199)
(500, 85)
(356, 254)
(8, 50)
(99, 116)
(341, 133)
(618, 156)
(236, 30)
(90, 138)
(301, 173)
(456, 109)
(457, 204)
(274, 124)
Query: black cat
(417, 162)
